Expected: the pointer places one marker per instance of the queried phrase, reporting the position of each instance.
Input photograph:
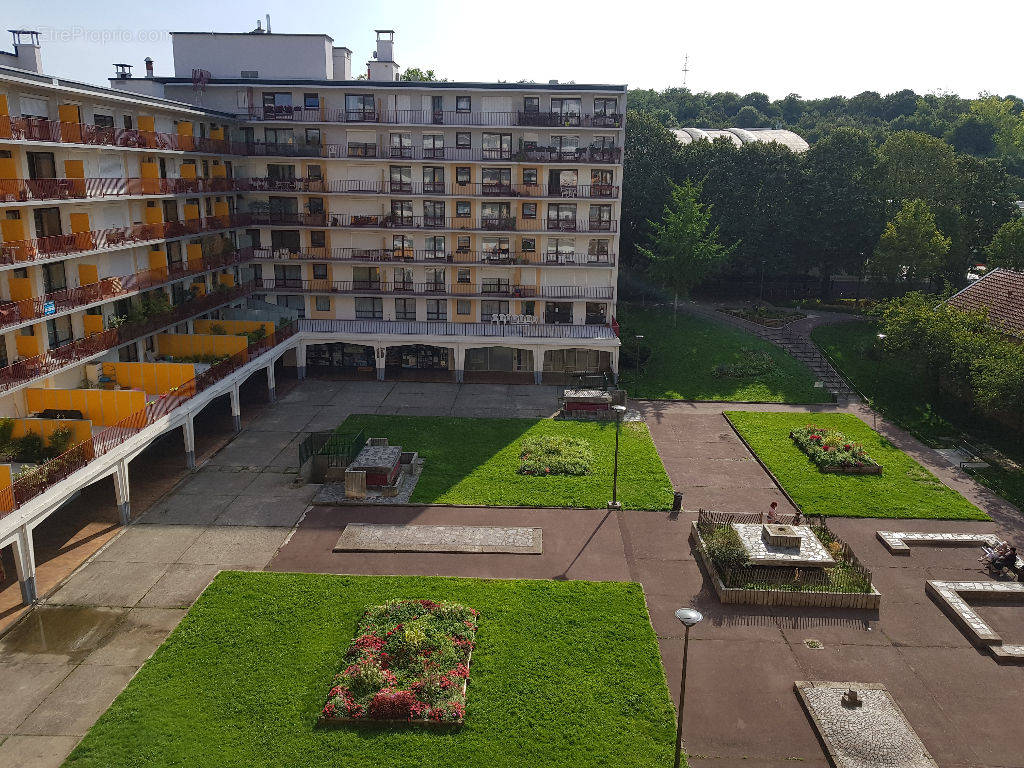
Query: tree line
(908, 207)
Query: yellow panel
(79, 222)
(61, 399)
(3, 105)
(34, 399)
(6, 492)
(150, 380)
(194, 252)
(20, 288)
(28, 346)
(218, 171)
(8, 168)
(88, 274)
(198, 288)
(136, 377)
(154, 215)
(184, 128)
(188, 171)
(147, 123)
(12, 230)
(110, 369)
(217, 133)
(70, 118)
(191, 212)
(220, 208)
(92, 324)
(74, 169)
(80, 400)
(228, 280)
(108, 401)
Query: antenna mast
(686, 68)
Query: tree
(750, 117)
(1007, 247)
(417, 75)
(997, 378)
(917, 166)
(911, 247)
(649, 160)
(685, 247)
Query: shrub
(555, 455)
(831, 448)
(6, 431)
(256, 335)
(218, 330)
(59, 441)
(30, 449)
(752, 363)
(725, 548)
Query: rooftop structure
(1001, 294)
(741, 136)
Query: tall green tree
(1007, 247)
(911, 247)
(417, 75)
(685, 247)
(649, 161)
(997, 379)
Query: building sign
(513, 319)
(49, 308)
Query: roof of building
(1001, 292)
(741, 136)
(392, 84)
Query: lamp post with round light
(619, 411)
(688, 617)
(636, 362)
(878, 372)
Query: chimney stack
(384, 67)
(122, 71)
(26, 51)
(149, 67)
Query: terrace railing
(435, 117)
(431, 256)
(503, 290)
(444, 328)
(24, 190)
(360, 187)
(47, 475)
(43, 130)
(599, 155)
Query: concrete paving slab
(235, 544)
(36, 751)
(73, 706)
(186, 509)
(284, 417)
(181, 585)
(270, 511)
(105, 583)
(273, 483)
(59, 634)
(153, 543)
(133, 641)
(213, 479)
(327, 418)
(253, 449)
(24, 687)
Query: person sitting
(1007, 562)
(993, 553)
(773, 514)
(798, 518)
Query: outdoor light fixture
(619, 411)
(688, 617)
(874, 413)
(636, 362)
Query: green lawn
(905, 489)
(564, 674)
(685, 352)
(475, 461)
(898, 391)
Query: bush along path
(794, 338)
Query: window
(319, 271)
(597, 314)
(601, 217)
(433, 213)
(529, 308)
(369, 308)
(497, 247)
(462, 209)
(494, 285)
(531, 104)
(558, 312)
(463, 244)
(401, 145)
(250, 74)
(463, 103)
(560, 248)
(529, 210)
(433, 146)
(496, 181)
(401, 178)
(103, 121)
(491, 307)
(242, 97)
(401, 212)
(496, 216)
(562, 217)
(529, 176)
(323, 304)
(606, 112)
(529, 245)
(311, 101)
(315, 172)
(437, 309)
(276, 172)
(566, 146)
(433, 179)
(462, 175)
(435, 279)
(463, 307)
(318, 238)
(567, 110)
(598, 250)
(435, 247)
(360, 108)
(312, 137)
(405, 309)
(366, 278)
(403, 280)
(463, 140)
(601, 183)
(463, 275)
(315, 206)
(497, 146)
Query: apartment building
(467, 227)
(164, 239)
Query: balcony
(484, 290)
(69, 299)
(403, 255)
(433, 188)
(442, 328)
(438, 117)
(54, 360)
(58, 246)
(402, 222)
(590, 155)
(40, 129)
(27, 190)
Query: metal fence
(329, 449)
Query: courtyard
(73, 655)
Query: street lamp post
(619, 410)
(878, 366)
(689, 618)
(636, 362)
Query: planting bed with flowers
(833, 451)
(408, 662)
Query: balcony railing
(369, 150)
(56, 246)
(429, 256)
(398, 221)
(24, 190)
(443, 328)
(40, 129)
(54, 360)
(499, 290)
(358, 187)
(438, 117)
(68, 299)
(38, 480)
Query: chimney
(149, 67)
(268, 23)
(122, 71)
(342, 62)
(384, 66)
(26, 51)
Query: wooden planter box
(849, 600)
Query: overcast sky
(811, 48)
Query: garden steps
(794, 339)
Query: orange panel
(147, 123)
(188, 171)
(218, 171)
(228, 280)
(70, 119)
(79, 222)
(92, 324)
(12, 230)
(34, 399)
(150, 378)
(9, 169)
(154, 215)
(80, 400)
(88, 274)
(74, 169)
(28, 346)
(191, 212)
(220, 208)
(20, 287)
(6, 491)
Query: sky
(813, 49)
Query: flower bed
(409, 662)
(555, 455)
(833, 452)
